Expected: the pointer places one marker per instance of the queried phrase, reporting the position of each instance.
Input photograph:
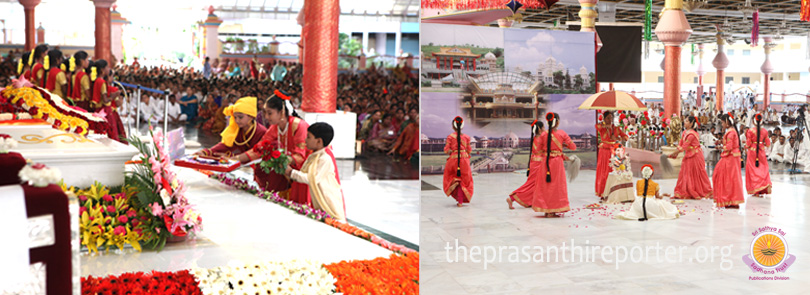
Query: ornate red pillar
(30, 24)
(673, 30)
(767, 69)
(320, 56)
(720, 63)
(103, 33)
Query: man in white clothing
(789, 152)
(175, 113)
(778, 152)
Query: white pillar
(365, 42)
(397, 42)
(380, 46)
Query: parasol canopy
(612, 101)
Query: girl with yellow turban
(242, 132)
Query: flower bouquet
(162, 194)
(272, 157)
(108, 219)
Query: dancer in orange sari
(693, 182)
(608, 136)
(458, 181)
(524, 194)
(551, 193)
(727, 178)
(757, 171)
(289, 132)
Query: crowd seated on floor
(386, 101)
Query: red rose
(44, 117)
(275, 154)
(5, 136)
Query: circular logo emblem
(769, 249)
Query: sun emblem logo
(768, 250)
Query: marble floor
(487, 221)
(238, 226)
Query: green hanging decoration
(693, 53)
(648, 20)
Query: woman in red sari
(101, 100)
(727, 178)
(551, 193)
(693, 182)
(608, 136)
(289, 132)
(757, 171)
(37, 70)
(458, 181)
(524, 194)
(79, 89)
(242, 133)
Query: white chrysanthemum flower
(7, 144)
(39, 175)
(164, 195)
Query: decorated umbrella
(612, 101)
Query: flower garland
(398, 274)
(293, 277)
(483, 4)
(6, 143)
(140, 283)
(39, 175)
(161, 193)
(52, 109)
(307, 211)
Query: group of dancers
(545, 189)
(78, 80)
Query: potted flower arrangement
(163, 194)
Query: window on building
(793, 76)
(729, 79)
(660, 79)
(746, 52)
(730, 52)
(746, 80)
(777, 76)
(696, 80)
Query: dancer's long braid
(758, 119)
(644, 201)
(457, 123)
(739, 141)
(550, 119)
(531, 149)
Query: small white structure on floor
(345, 126)
(82, 160)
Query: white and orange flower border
(41, 104)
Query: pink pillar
(117, 23)
(700, 72)
(103, 18)
(30, 24)
(673, 30)
(40, 34)
(767, 69)
(320, 56)
(720, 63)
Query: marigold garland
(398, 274)
(42, 105)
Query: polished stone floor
(487, 221)
(240, 227)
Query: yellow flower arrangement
(33, 98)
(107, 220)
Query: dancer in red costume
(551, 193)
(757, 171)
(693, 182)
(727, 178)
(458, 181)
(608, 136)
(289, 132)
(524, 194)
